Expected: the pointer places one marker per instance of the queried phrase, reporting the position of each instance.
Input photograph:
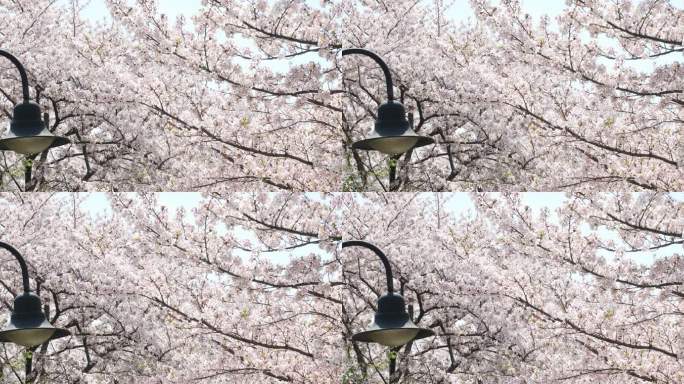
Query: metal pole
(22, 264)
(381, 255)
(392, 365)
(22, 73)
(385, 68)
(29, 365)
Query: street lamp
(393, 135)
(28, 325)
(392, 326)
(28, 133)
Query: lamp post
(28, 132)
(28, 325)
(392, 326)
(393, 134)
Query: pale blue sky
(460, 10)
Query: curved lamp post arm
(22, 263)
(381, 255)
(385, 68)
(22, 73)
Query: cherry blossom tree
(599, 87)
(78, 71)
(253, 286)
(589, 291)
(250, 95)
(145, 304)
(600, 286)
(82, 269)
(588, 99)
(235, 313)
(247, 88)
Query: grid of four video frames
(341, 191)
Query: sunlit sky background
(461, 11)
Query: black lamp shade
(28, 133)
(27, 325)
(392, 134)
(392, 326)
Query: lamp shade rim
(58, 140)
(366, 336)
(57, 332)
(366, 144)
